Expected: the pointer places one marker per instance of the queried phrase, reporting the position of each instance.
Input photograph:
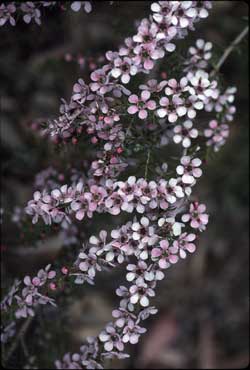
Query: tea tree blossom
(189, 169)
(141, 105)
(160, 204)
(200, 54)
(216, 134)
(197, 217)
(6, 14)
(184, 133)
(164, 254)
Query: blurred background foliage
(203, 303)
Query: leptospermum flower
(217, 134)
(140, 293)
(76, 6)
(164, 254)
(201, 85)
(185, 243)
(141, 105)
(197, 217)
(6, 14)
(30, 10)
(153, 86)
(111, 339)
(189, 169)
(123, 68)
(200, 54)
(184, 133)
(169, 224)
(172, 108)
(176, 88)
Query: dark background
(203, 304)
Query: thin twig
(19, 337)
(147, 164)
(228, 50)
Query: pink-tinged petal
(148, 64)
(92, 206)
(132, 109)
(83, 266)
(185, 160)
(156, 252)
(191, 247)
(162, 112)
(164, 101)
(80, 214)
(36, 281)
(204, 219)
(37, 195)
(201, 208)
(164, 244)
(143, 114)
(191, 237)
(144, 301)
(125, 78)
(196, 162)
(180, 170)
(173, 259)
(51, 274)
(185, 218)
(195, 224)
(172, 117)
(29, 299)
(172, 83)
(183, 254)
(213, 124)
(133, 99)
(197, 172)
(145, 95)
(187, 179)
(151, 105)
(108, 346)
(27, 280)
(181, 111)
(163, 264)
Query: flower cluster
(165, 220)
(31, 294)
(30, 10)
(217, 134)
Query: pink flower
(201, 86)
(189, 169)
(141, 105)
(145, 54)
(153, 86)
(6, 14)
(30, 10)
(163, 255)
(197, 217)
(217, 134)
(184, 133)
(140, 293)
(123, 68)
(176, 88)
(111, 339)
(184, 243)
(76, 6)
(199, 55)
(172, 108)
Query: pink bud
(52, 286)
(64, 270)
(119, 150)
